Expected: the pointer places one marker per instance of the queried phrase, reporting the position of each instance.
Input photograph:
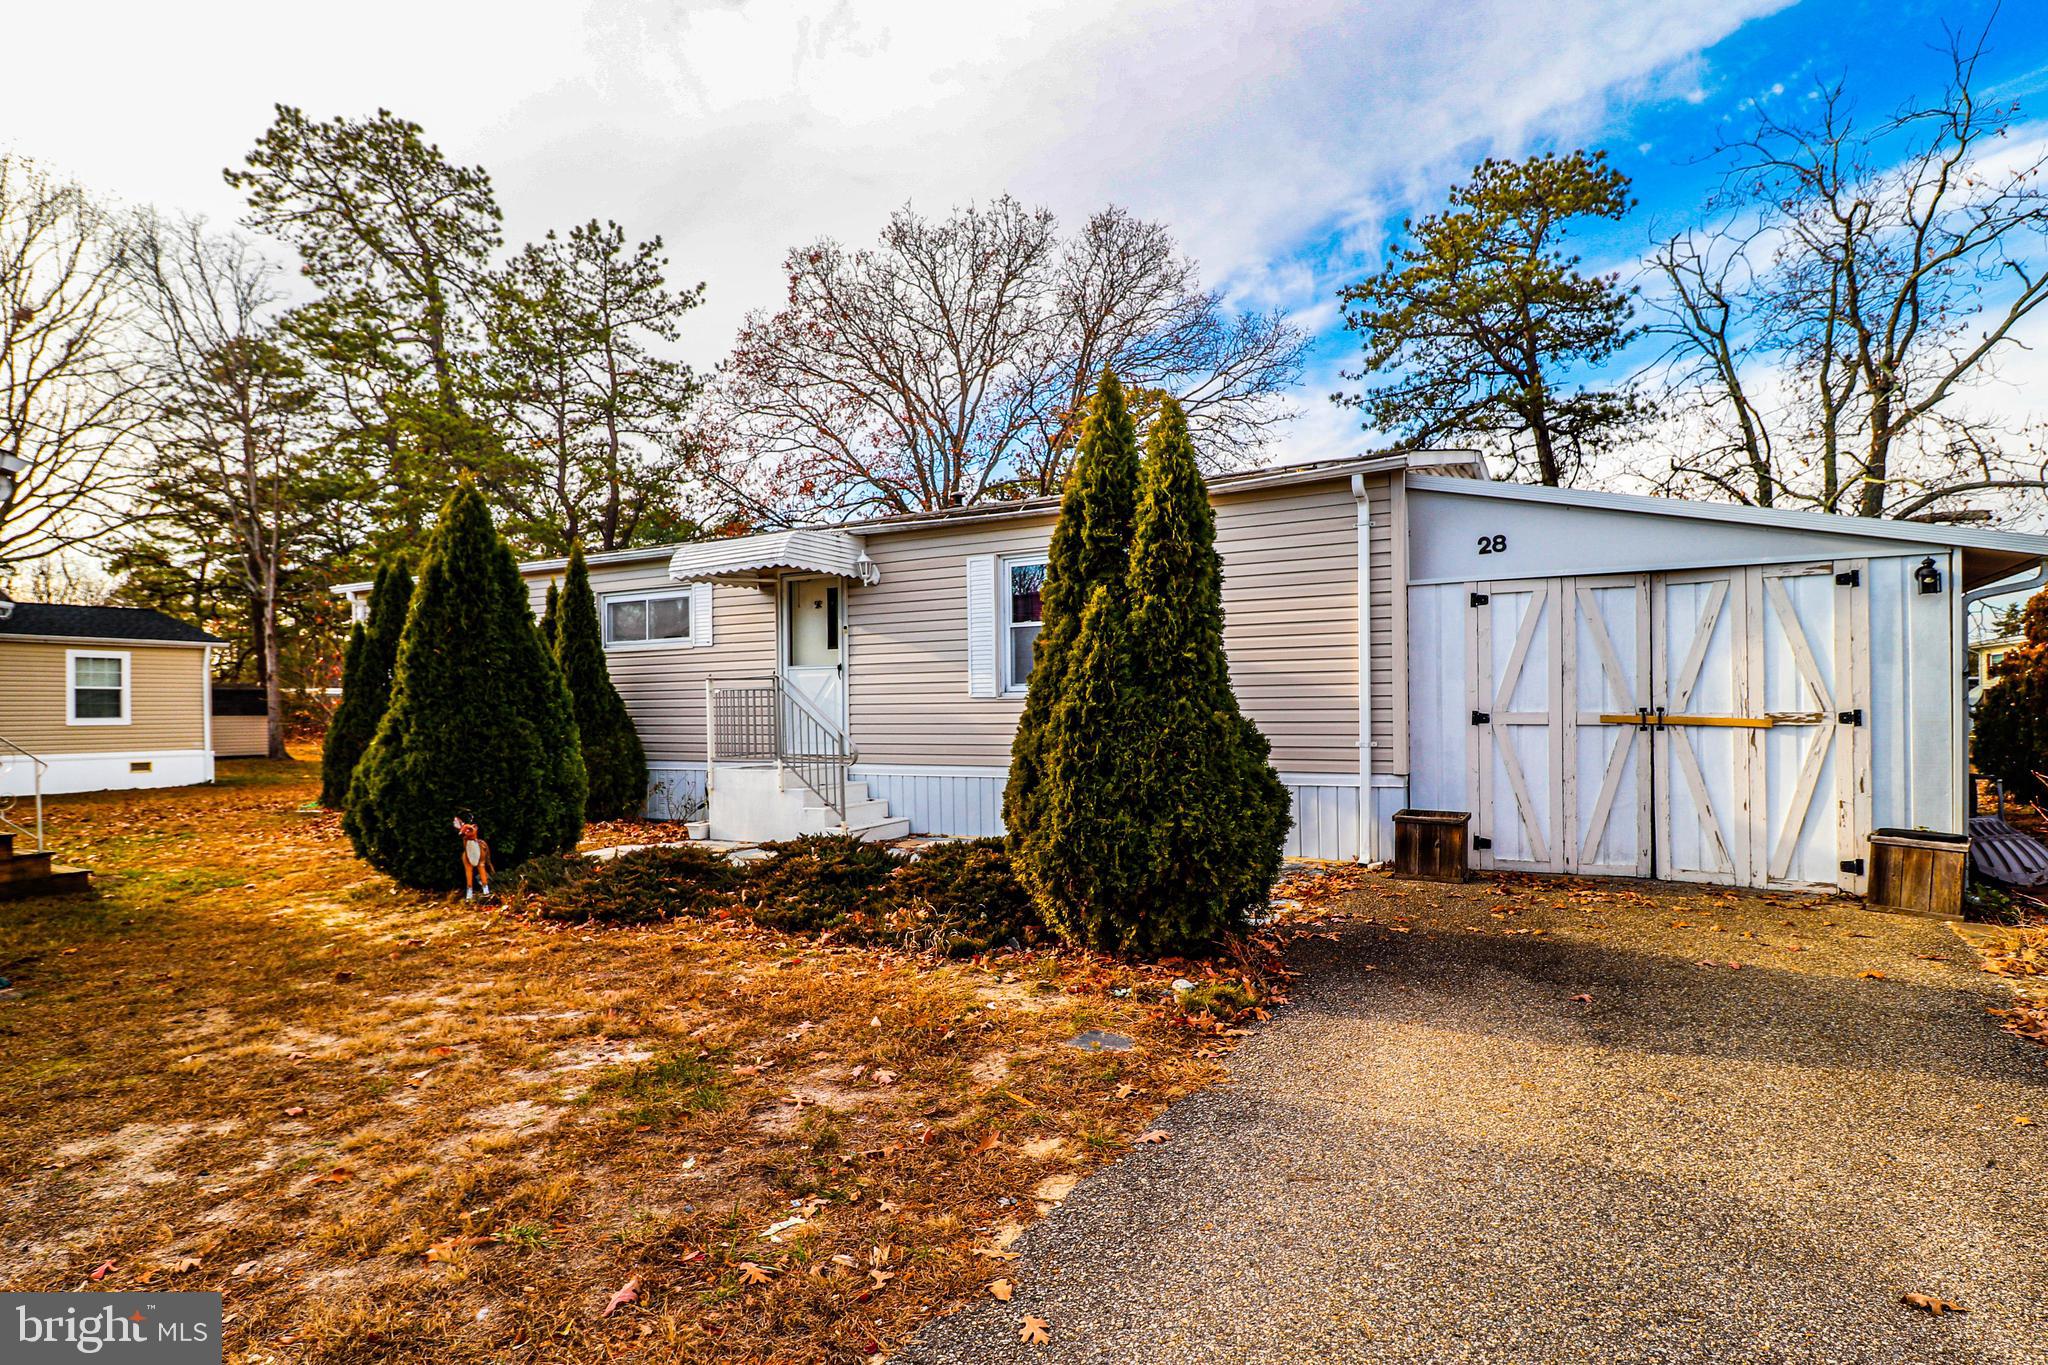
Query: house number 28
(1492, 545)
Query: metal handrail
(7, 799)
(764, 719)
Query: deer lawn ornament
(476, 860)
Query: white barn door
(1607, 735)
(1515, 688)
(1700, 625)
(1803, 680)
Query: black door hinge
(1850, 717)
(1480, 599)
(1849, 578)
(1481, 718)
(1481, 841)
(1853, 865)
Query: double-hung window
(1022, 589)
(97, 692)
(649, 618)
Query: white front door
(813, 644)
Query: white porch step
(859, 814)
(856, 793)
(882, 831)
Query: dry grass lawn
(395, 1127)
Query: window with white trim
(1022, 590)
(98, 690)
(640, 619)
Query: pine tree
(1090, 548)
(479, 726)
(365, 682)
(612, 755)
(1214, 813)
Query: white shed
(1650, 687)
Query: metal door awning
(751, 558)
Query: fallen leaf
(448, 1247)
(295, 1111)
(101, 1272)
(988, 1143)
(885, 1077)
(1001, 1290)
(1928, 1303)
(1035, 1331)
(184, 1263)
(1151, 1136)
(626, 1293)
(1124, 1092)
(340, 1175)
(1872, 976)
(2022, 1121)
(1582, 999)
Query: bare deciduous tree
(1859, 280)
(233, 416)
(948, 364)
(68, 391)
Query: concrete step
(24, 867)
(59, 880)
(6, 845)
(882, 831)
(821, 819)
(856, 792)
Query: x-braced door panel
(1514, 689)
(1700, 686)
(1607, 731)
(1802, 679)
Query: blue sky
(1281, 139)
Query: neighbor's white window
(648, 618)
(98, 693)
(1022, 589)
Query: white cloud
(739, 129)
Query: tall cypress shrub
(551, 615)
(612, 756)
(479, 724)
(1090, 549)
(365, 682)
(1214, 814)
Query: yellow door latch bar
(1725, 722)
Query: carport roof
(1988, 555)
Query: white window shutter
(700, 614)
(981, 626)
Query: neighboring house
(103, 697)
(1610, 684)
(1985, 657)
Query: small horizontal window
(649, 618)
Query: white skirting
(107, 772)
(968, 801)
(675, 791)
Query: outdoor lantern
(1927, 576)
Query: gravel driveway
(1438, 1154)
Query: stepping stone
(1095, 1040)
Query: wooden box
(1430, 845)
(1918, 870)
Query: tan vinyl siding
(166, 698)
(1290, 563)
(664, 688)
(241, 736)
(1390, 744)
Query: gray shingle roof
(101, 623)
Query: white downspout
(1368, 822)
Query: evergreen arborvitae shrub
(1090, 549)
(479, 724)
(365, 683)
(612, 756)
(1216, 815)
(962, 897)
(550, 616)
(2009, 733)
(1085, 866)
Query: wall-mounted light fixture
(1927, 576)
